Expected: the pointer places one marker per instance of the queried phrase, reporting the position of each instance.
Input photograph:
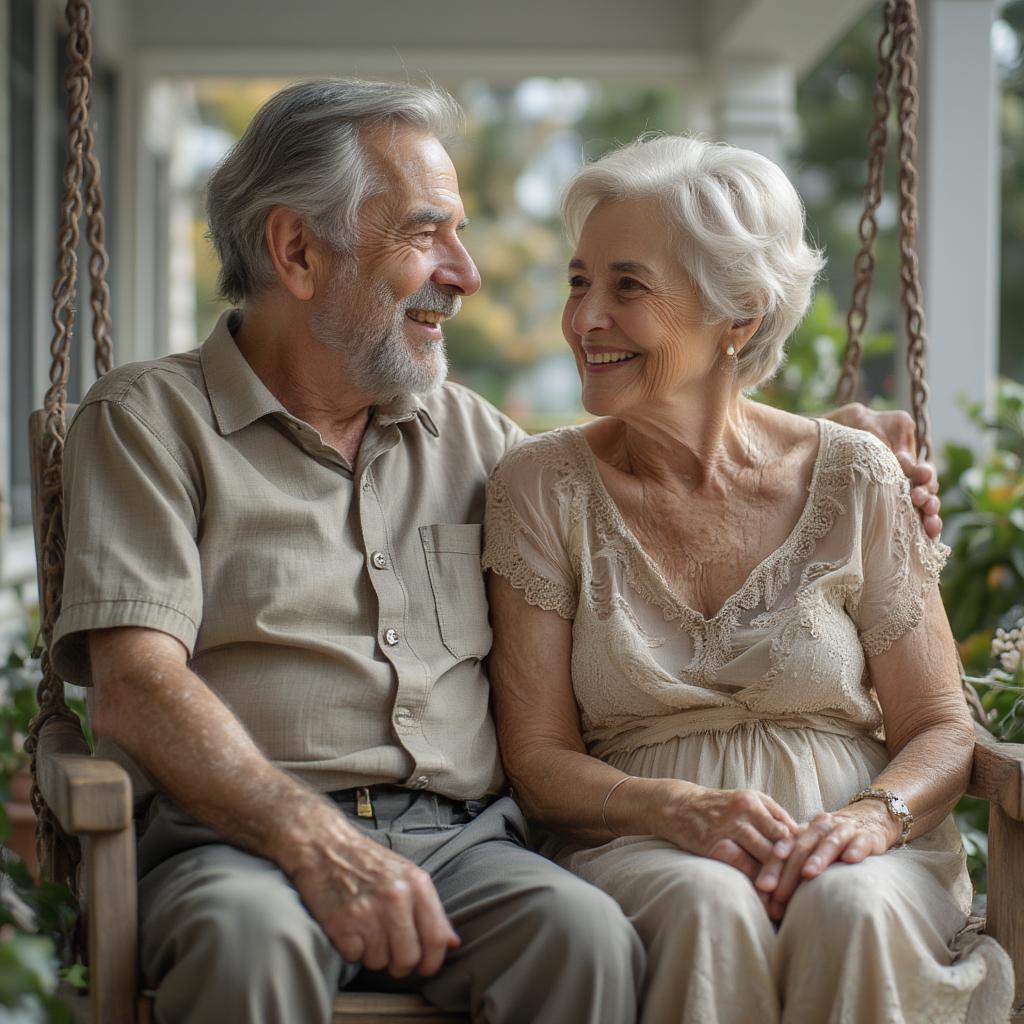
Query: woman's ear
(739, 332)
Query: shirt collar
(239, 397)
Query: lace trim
(581, 492)
(712, 638)
(500, 555)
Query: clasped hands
(751, 832)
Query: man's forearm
(170, 722)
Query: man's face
(383, 309)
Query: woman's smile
(601, 360)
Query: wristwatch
(896, 807)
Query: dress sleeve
(525, 529)
(901, 564)
(131, 525)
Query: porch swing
(85, 835)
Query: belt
(361, 798)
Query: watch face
(899, 806)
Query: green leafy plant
(37, 921)
(983, 506)
(983, 585)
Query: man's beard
(372, 339)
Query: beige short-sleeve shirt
(338, 610)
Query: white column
(959, 240)
(755, 104)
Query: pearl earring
(731, 351)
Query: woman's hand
(739, 827)
(859, 830)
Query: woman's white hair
(303, 150)
(739, 229)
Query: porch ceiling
(596, 37)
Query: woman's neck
(697, 443)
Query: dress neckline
(751, 589)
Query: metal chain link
(864, 263)
(58, 853)
(910, 279)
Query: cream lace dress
(770, 693)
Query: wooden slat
(88, 795)
(359, 1008)
(997, 774)
(374, 1008)
(1005, 921)
(113, 918)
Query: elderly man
(273, 586)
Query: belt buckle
(364, 805)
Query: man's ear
(299, 258)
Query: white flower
(1011, 659)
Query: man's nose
(458, 271)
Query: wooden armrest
(86, 795)
(92, 798)
(998, 773)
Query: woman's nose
(590, 315)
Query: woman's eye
(629, 283)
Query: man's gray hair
(303, 150)
(739, 231)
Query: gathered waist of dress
(646, 732)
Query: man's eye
(577, 282)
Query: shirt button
(403, 712)
(379, 559)
(366, 483)
(422, 782)
(391, 637)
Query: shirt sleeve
(130, 517)
(526, 529)
(900, 563)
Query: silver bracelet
(607, 797)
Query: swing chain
(897, 62)
(58, 853)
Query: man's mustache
(435, 299)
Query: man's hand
(896, 429)
(377, 908)
(864, 829)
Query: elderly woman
(723, 676)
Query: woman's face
(633, 318)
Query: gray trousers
(225, 938)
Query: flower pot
(22, 839)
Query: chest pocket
(452, 554)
